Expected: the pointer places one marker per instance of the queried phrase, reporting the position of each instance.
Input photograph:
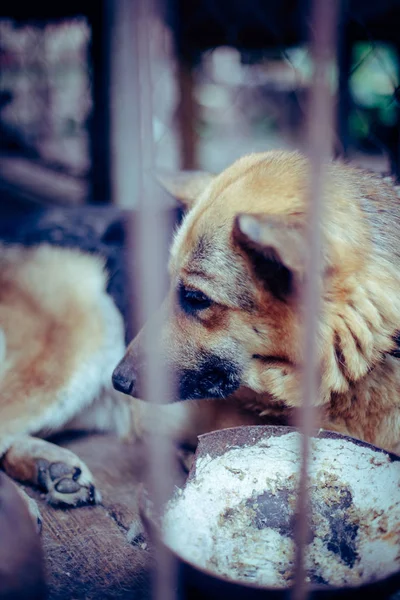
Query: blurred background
(228, 78)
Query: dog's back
(62, 335)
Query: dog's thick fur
(60, 338)
(232, 322)
(232, 326)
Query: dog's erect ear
(276, 247)
(185, 186)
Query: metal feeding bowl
(231, 527)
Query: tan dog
(60, 338)
(232, 326)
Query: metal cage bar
(320, 145)
(134, 187)
(133, 151)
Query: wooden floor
(87, 553)
(86, 550)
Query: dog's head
(237, 266)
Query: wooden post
(186, 114)
(344, 59)
(101, 17)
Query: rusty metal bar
(151, 241)
(134, 150)
(320, 128)
(125, 109)
(134, 187)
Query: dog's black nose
(123, 378)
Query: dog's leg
(132, 418)
(111, 412)
(58, 471)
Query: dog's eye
(193, 300)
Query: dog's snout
(123, 378)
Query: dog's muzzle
(124, 378)
(214, 377)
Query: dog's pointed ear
(276, 248)
(185, 186)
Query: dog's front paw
(66, 483)
(56, 470)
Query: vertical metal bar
(320, 140)
(125, 107)
(133, 164)
(150, 239)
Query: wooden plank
(41, 184)
(101, 18)
(87, 553)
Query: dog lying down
(231, 325)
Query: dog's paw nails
(34, 513)
(33, 509)
(67, 485)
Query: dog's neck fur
(360, 380)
